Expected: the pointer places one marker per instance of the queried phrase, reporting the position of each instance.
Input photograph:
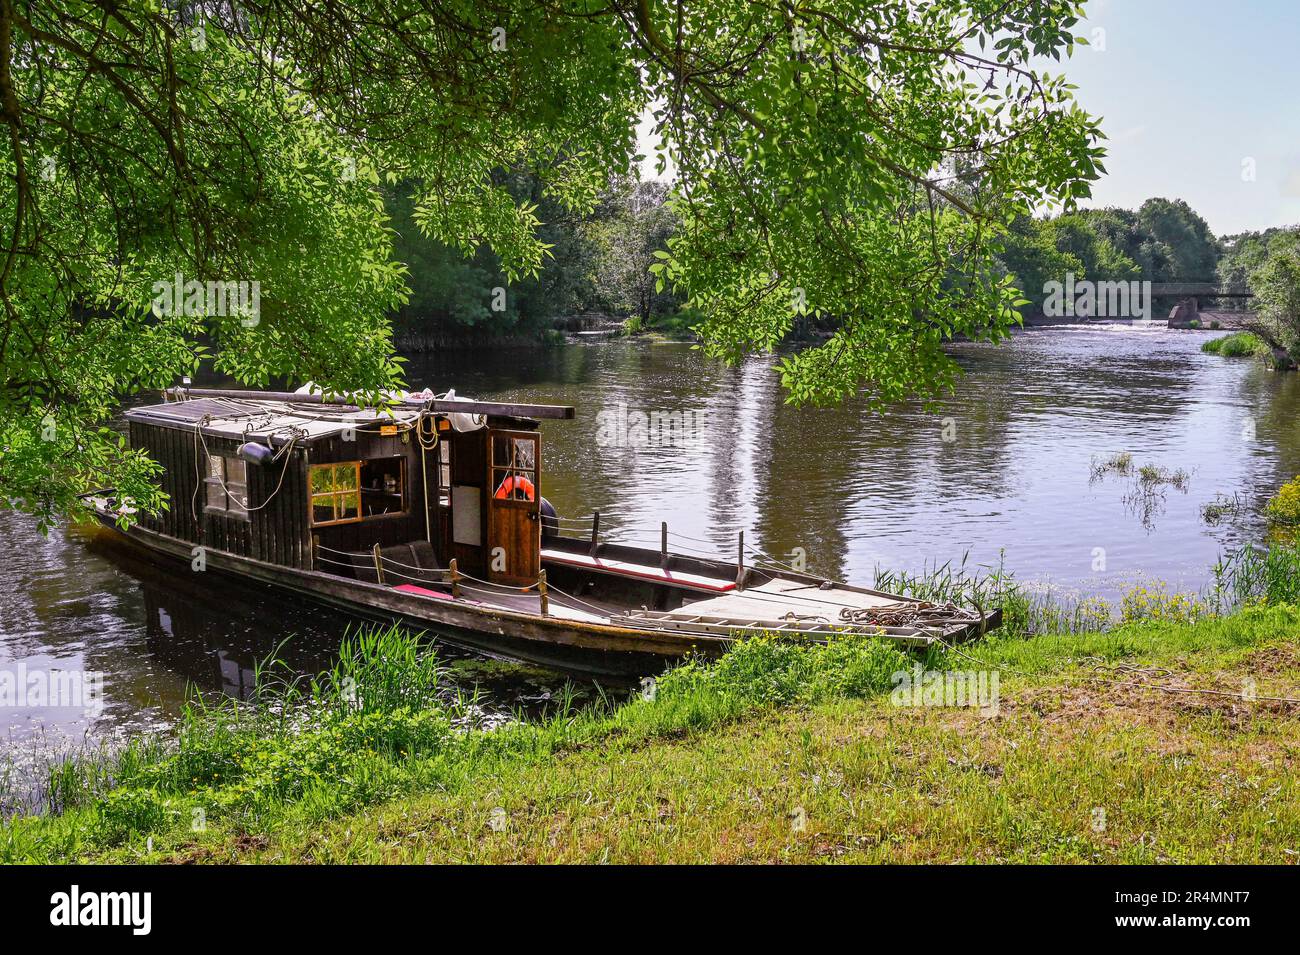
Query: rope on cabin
(285, 450)
(1141, 686)
(433, 430)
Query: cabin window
(226, 486)
(383, 486)
(514, 468)
(335, 493)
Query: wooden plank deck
(774, 599)
(623, 568)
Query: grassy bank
(1068, 771)
(775, 752)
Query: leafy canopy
(849, 160)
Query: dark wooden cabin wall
(276, 533)
(280, 532)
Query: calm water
(858, 491)
(853, 490)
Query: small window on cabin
(383, 486)
(514, 468)
(335, 493)
(225, 488)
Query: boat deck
(791, 607)
(777, 597)
(627, 568)
(804, 608)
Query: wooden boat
(429, 511)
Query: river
(1003, 470)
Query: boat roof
(275, 422)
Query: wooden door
(514, 507)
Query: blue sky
(1189, 91)
(1196, 96)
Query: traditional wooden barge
(430, 511)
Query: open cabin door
(514, 507)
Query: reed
(1026, 611)
(1251, 576)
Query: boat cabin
(295, 481)
(431, 510)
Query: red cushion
(423, 592)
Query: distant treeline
(1166, 241)
(598, 265)
(1162, 241)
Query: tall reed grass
(1258, 575)
(1026, 611)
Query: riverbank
(775, 753)
(1067, 771)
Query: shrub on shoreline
(1284, 506)
(1236, 345)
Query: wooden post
(379, 565)
(455, 578)
(595, 533)
(663, 545)
(315, 552)
(740, 563)
(541, 592)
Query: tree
(454, 296)
(1188, 251)
(1276, 285)
(1038, 251)
(1031, 258)
(834, 158)
(1246, 252)
(631, 232)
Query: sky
(1195, 96)
(1200, 100)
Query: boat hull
(586, 648)
(580, 648)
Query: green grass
(377, 761)
(772, 756)
(1236, 345)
